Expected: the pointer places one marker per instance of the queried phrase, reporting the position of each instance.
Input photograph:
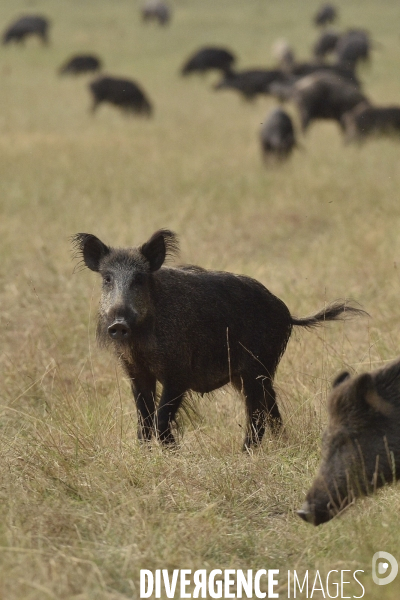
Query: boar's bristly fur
(191, 330)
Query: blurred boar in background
(361, 444)
(26, 26)
(326, 14)
(325, 96)
(82, 63)
(345, 74)
(277, 135)
(209, 59)
(366, 120)
(124, 93)
(191, 329)
(156, 10)
(325, 44)
(353, 46)
(253, 82)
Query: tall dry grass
(82, 507)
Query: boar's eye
(107, 279)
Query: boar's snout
(315, 516)
(119, 330)
(305, 513)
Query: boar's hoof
(119, 331)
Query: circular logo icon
(384, 568)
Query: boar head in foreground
(361, 444)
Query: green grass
(82, 507)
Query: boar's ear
(366, 390)
(340, 378)
(161, 245)
(90, 249)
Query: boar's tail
(338, 310)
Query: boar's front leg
(144, 392)
(170, 401)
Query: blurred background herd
(325, 85)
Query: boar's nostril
(119, 330)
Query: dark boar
(277, 135)
(327, 13)
(353, 46)
(191, 329)
(252, 82)
(361, 445)
(209, 59)
(367, 120)
(325, 96)
(82, 63)
(156, 10)
(345, 74)
(325, 44)
(123, 93)
(316, 92)
(26, 26)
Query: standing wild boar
(156, 10)
(361, 445)
(277, 135)
(353, 46)
(325, 96)
(25, 27)
(325, 44)
(252, 82)
(209, 58)
(124, 93)
(326, 14)
(365, 120)
(191, 329)
(81, 63)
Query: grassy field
(82, 507)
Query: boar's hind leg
(170, 401)
(261, 408)
(144, 392)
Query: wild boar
(325, 96)
(326, 14)
(277, 135)
(26, 26)
(156, 10)
(353, 46)
(361, 444)
(124, 93)
(366, 120)
(208, 59)
(81, 63)
(345, 74)
(191, 329)
(325, 44)
(252, 82)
